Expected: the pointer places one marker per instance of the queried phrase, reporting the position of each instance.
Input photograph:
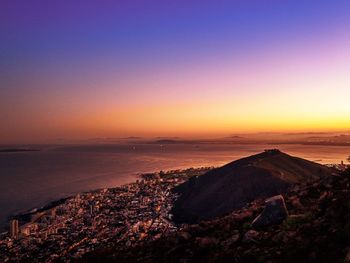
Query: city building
(14, 228)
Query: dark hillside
(233, 185)
(316, 230)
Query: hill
(316, 230)
(233, 185)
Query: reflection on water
(31, 179)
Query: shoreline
(25, 217)
(126, 215)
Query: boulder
(295, 202)
(274, 213)
(206, 242)
(231, 240)
(251, 236)
(185, 235)
(243, 215)
(347, 257)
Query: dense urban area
(104, 218)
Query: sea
(31, 179)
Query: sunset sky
(85, 69)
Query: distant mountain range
(233, 185)
(304, 138)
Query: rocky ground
(316, 229)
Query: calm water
(32, 179)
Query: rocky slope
(317, 229)
(232, 186)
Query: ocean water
(32, 179)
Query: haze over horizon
(161, 68)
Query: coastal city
(88, 221)
(174, 131)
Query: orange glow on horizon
(282, 87)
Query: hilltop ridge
(233, 185)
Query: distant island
(172, 141)
(14, 150)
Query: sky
(90, 69)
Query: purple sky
(80, 69)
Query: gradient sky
(81, 69)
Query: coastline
(26, 216)
(111, 167)
(126, 215)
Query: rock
(281, 237)
(324, 195)
(234, 238)
(294, 220)
(251, 236)
(231, 240)
(347, 257)
(274, 213)
(243, 215)
(195, 229)
(205, 242)
(185, 235)
(295, 188)
(295, 202)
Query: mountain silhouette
(235, 184)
